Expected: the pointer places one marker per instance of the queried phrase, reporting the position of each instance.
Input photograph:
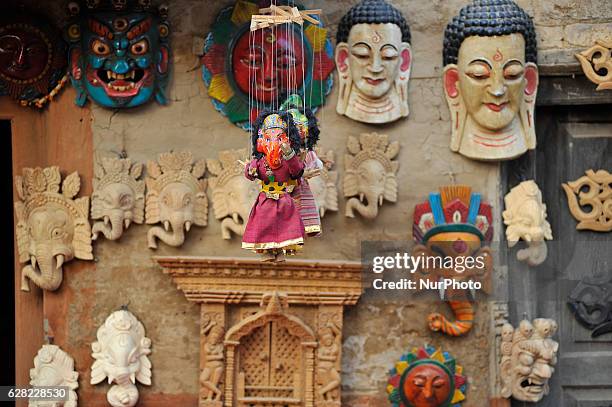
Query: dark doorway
(7, 252)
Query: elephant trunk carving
(111, 226)
(464, 314)
(233, 224)
(46, 267)
(172, 233)
(368, 210)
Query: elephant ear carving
(21, 229)
(331, 197)
(138, 211)
(201, 206)
(97, 209)
(152, 202)
(71, 185)
(351, 184)
(19, 187)
(220, 207)
(391, 188)
(82, 231)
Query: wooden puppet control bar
(275, 15)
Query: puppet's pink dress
(275, 223)
(304, 197)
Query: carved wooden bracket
(595, 60)
(271, 333)
(243, 280)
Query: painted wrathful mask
(32, 59)
(119, 53)
(491, 80)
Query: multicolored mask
(491, 80)
(272, 134)
(32, 59)
(454, 224)
(248, 72)
(119, 53)
(426, 378)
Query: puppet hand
(287, 150)
(315, 172)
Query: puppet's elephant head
(370, 174)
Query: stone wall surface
(378, 330)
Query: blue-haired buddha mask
(119, 52)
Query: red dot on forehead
(498, 55)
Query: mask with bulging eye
(119, 58)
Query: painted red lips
(497, 108)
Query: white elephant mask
(54, 367)
(118, 197)
(176, 197)
(525, 218)
(52, 227)
(232, 194)
(370, 173)
(121, 357)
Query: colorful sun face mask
(119, 53)
(249, 72)
(426, 378)
(32, 59)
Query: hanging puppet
(302, 194)
(32, 59)
(373, 59)
(119, 52)
(491, 80)
(455, 226)
(247, 71)
(275, 226)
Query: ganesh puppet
(490, 80)
(308, 128)
(275, 226)
(373, 59)
(452, 231)
(119, 52)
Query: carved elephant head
(370, 174)
(176, 197)
(525, 218)
(324, 187)
(118, 197)
(52, 227)
(121, 355)
(232, 194)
